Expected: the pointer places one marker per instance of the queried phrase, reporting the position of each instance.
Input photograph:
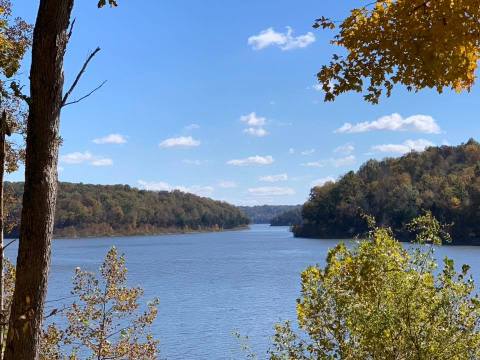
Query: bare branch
(79, 76)
(10, 243)
(70, 30)
(85, 96)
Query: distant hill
(98, 210)
(444, 180)
(265, 213)
(288, 218)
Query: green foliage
(377, 300)
(96, 210)
(443, 180)
(263, 214)
(288, 218)
(417, 43)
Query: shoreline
(154, 233)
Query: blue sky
(218, 98)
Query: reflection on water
(211, 285)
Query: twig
(79, 76)
(85, 96)
(70, 30)
(10, 243)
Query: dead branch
(85, 96)
(79, 76)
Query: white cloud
(181, 142)
(227, 184)
(271, 191)
(322, 181)
(255, 124)
(252, 160)
(102, 162)
(335, 162)
(317, 87)
(291, 151)
(346, 149)
(192, 127)
(194, 162)
(111, 139)
(253, 119)
(345, 161)
(318, 164)
(406, 147)
(76, 158)
(258, 132)
(308, 152)
(285, 41)
(395, 122)
(274, 178)
(164, 186)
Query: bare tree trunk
(46, 85)
(3, 133)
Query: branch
(79, 76)
(10, 243)
(70, 30)
(85, 96)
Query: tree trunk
(3, 134)
(46, 86)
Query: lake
(212, 284)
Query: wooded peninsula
(111, 210)
(444, 180)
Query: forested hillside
(98, 210)
(263, 214)
(445, 180)
(288, 218)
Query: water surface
(211, 285)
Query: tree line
(444, 180)
(105, 210)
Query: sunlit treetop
(417, 43)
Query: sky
(219, 98)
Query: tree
(377, 300)
(417, 43)
(51, 33)
(104, 323)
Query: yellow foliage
(417, 43)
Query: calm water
(211, 285)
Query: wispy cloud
(86, 157)
(194, 162)
(335, 162)
(192, 127)
(164, 186)
(395, 122)
(274, 178)
(346, 149)
(225, 184)
(252, 160)
(271, 191)
(180, 142)
(111, 139)
(308, 152)
(258, 132)
(406, 147)
(285, 41)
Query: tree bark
(46, 85)
(3, 134)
